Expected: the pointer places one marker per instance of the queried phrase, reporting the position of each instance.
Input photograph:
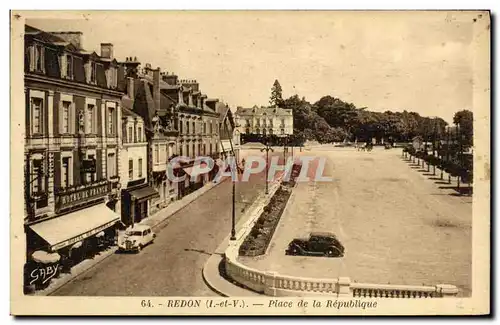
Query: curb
(64, 281)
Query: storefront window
(139, 167)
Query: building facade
(136, 194)
(264, 121)
(72, 137)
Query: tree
(465, 120)
(276, 99)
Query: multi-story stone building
(265, 121)
(136, 194)
(72, 137)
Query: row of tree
(333, 120)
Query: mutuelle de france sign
(70, 198)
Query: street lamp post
(267, 149)
(233, 212)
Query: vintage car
(318, 244)
(135, 238)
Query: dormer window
(39, 58)
(93, 72)
(69, 67)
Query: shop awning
(73, 227)
(144, 194)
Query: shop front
(136, 201)
(83, 227)
(67, 240)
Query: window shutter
(57, 169)
(98, 110)
(100, 174)
(76, 168)
(56, 110)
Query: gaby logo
(313, 168)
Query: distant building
(264, 121)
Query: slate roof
(261, 110)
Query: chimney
(74, 38)
(107, 50)
(156, 87)
(130, 88)
(171, 79)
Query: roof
(128, 112)
(261, 110)
(322, 234)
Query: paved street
(172, 265)
(397, 225)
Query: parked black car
(318, 244)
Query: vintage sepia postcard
(250, 162)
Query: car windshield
(133, 233)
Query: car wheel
(139, 248)
(333, 252)
(295, 251)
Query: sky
(418, 61)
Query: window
(69, 66)
(157, 153)
(248, 123)
(210, 148)
(130, 169)
(91, 176)
(139, 166)
(270, 131)
(37, 184)
(180, 129)
(90, 119)
(65, 172)
(187, 150)
(180, 150)
(282, 131)
(194, 127)
(110, 120)
(39, 58)
(130, 133)
(211, 128)
(282, 122)
(139, 134)
(93, 72)
(194, 150)
(65, 117)
(204, 128)
(111, 164)
(247, 130)
(187, 127)
(37, 108)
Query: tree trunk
(458, 182)
(441, 177)
(449, 179)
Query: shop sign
(70, 198)
(42, 273)
(81, 237)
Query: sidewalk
(155, 221)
